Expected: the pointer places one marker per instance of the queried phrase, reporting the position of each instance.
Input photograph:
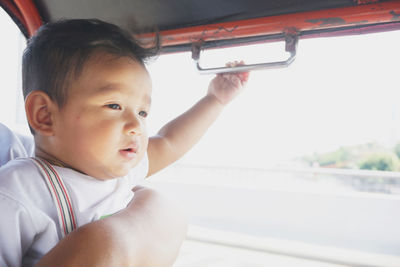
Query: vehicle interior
(323, 92)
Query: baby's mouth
(129, 152)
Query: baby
(87, 97)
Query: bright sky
(338, 91)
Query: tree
(338, 158)
(381, 162)
(397, 150)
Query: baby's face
(101, 130)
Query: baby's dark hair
(57, 53)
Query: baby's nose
(133, 126)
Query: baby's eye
(114, 106)
(143, 114)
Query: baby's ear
(39, 108)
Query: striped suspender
(59, 194)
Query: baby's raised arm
(182, 133)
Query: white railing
(281, 178)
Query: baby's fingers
(243, 76)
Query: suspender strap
(59, 194)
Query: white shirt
(29, 225)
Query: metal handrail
(291, 40)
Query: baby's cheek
(144, 143)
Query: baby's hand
(226, 86)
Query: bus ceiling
(191, 25)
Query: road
(357, 221)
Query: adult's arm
(14, 145)
(149, 232)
